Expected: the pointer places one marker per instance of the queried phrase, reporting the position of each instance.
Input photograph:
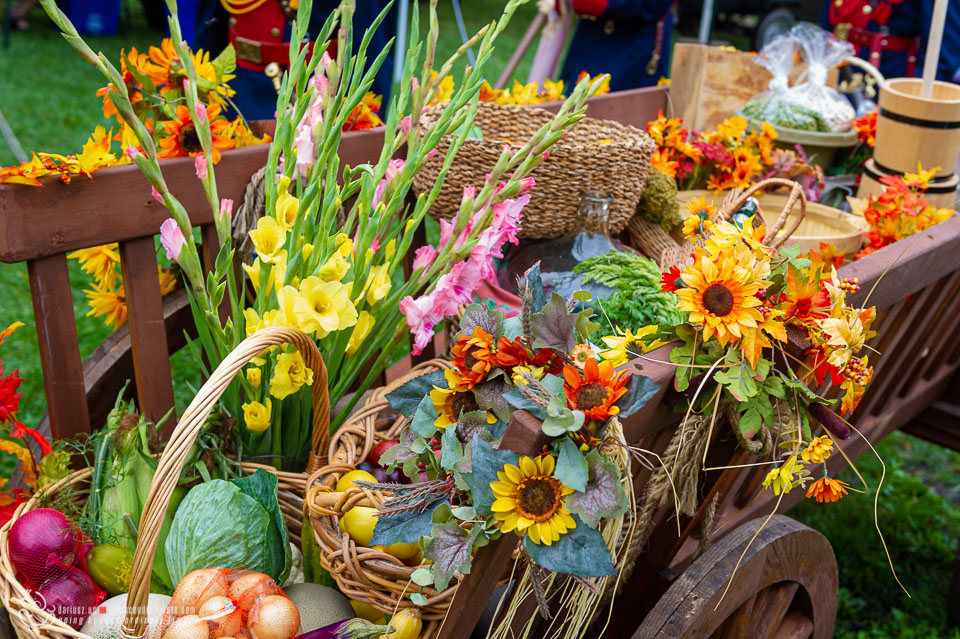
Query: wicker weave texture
(600, 155)
(32, 622)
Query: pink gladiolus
(421, 318)
(226, 208)
(155, 194)
(405, 124)
(393, 168)
(414, 84)
(325, 61)
(200, 164)
(546, 154)
(201, 113)
(305, 150)
(456, 287)
(378, 194)
(171, 237)
(321, 84)
(423, 257)
(526, 184)
(131, 152)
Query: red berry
(380, 449)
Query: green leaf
(750, 422)
(419, 598)
(683, 355)
(520, 401)
(512, 327)
(585, 325)
(581, 551)
(490, 396)
(406, 399)
(422, 577)
(226, 62)
(450, 448)
(400, 452)
(560, 419)
(773, 385)
(449, 550)
(405, 528)
(639, 391)
(571, 466)
(486, 461)
(464, 513)
(554, 384)
(423, 420)
(535, 284)
(604, 497)
(489, 320)
(554, 326)
(262, 486)
(738, 381)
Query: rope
(251, 209)
(706, 526)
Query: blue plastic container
(95, 17)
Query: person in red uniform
(892, 34)
(260, 32)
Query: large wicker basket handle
(174, 454)
(796, 193)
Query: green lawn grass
(47, 94)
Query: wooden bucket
(820, 224)
(911, 129)
(942, 192)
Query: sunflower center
(188, 139)
(718, 300)
(591, 396)
(464, 403)
(470, 360)
(539, 497)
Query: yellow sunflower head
(531, 501)
(454, 401)
(721, 296)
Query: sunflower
(826, 489)
(530, 500)
(454, 401)
(625, 344)
(109, 304)
(721, 296)
(164, 66)
(182, 138)
(597, 391)
(699, 221)
(472, 356)
(100, 262)
(818, 450)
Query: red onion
(71, 596)
(42, 543)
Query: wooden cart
(915, 285)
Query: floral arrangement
(900, 211)
(156, 89)
(866, 126)
(566, 503)
(742, 300)
(330, 254)
(14, 437)
(522, 94)
(722, 159)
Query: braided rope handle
(771, 239)
(181, 441)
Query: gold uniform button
(838, 3)
(867, 9)
(233, 21)
(275, 32)
(608, 27)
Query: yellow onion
(273, 617)
(223, 625)
(197, 587)
(187, 627)
(251, 585)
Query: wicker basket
(32, 622)
(599, 155)
(361, 573)
(669, 250)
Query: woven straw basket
(670, 251)
(32, 622)
(599, 155)
(361, 573)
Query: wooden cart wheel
(786, 586)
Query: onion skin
(273, 617)
(197, 587)
(187, 627)
(43, 542)
(68, 594)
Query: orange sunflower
(472, 356)
(721, 296)
(182, 138)
(827, 490)
(133, 59)
(596, 392)
(164, 66)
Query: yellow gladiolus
(364, 325)
(286, 298)
(324, 307)
(254, 322)
(257, 416)
(287, 205)
(335, 268)
(378, 284)
(390, 249)
(344, 244)
(254, 376)
(289, 375)
(268, 239)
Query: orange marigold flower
(182, 138)
(827, 489)
(473, 356)
(596, 392)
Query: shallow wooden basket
(33, 622)
(820, 224)
(362, 573)
(600, 155)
